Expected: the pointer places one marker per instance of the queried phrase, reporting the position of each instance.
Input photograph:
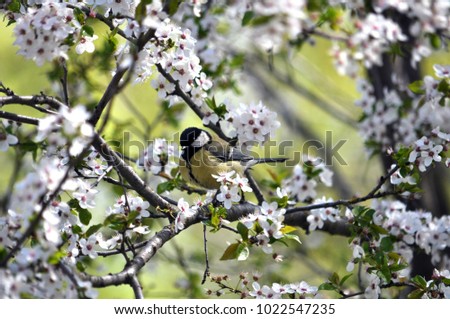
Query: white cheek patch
(202, 140)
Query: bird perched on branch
(203, 156)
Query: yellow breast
(203, 166)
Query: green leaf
(386, 244)
(56, 257)
(173, 7)
(443, 86)
(93, 229)
(79, 15)
(416, 294)
(230, 252)
(419, 281)
(14, 6)
(248, 16)
(81, 267)
(85, 216)
(76, 229)
(344, 279)
(88, 30)
(288, 229)
(165, 186)
(243, 231)
(257, 21)
(334, 278)
(417, 87)
(3, 252)
(435, 41)
(327, 286)
(141, 10)
(292, 237)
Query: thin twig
(254, 186)
(65, 83)
(19, 118)
(205, 248)
(348, 202)
(33, 101)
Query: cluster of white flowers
(57, 220)
(270, 220)
(276, 291)
(375, 33)
(252, 124)
(303, 188)
(397, 177)
(124, 7)
(67, 127)
(129, 203)
(426, 151)
(52, 283)
(425, 111)
(230, 188)
(185, 212)
(430, 233)
(96, 164)
(430, 17)
(158, 157)
(288, 19)
(173, 48)
(41, 32)
(372, 38)
(317, 216)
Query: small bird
(204, 156)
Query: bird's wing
(226, 153)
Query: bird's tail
(255, 161)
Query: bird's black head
(195, 137)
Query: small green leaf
(292, 237)
(288, 229)
(386, 244)
(243, 231)
(14, 6)
(93, 229)
(419, 281)
(88, 30)
(85, 216)
(435, 41)
(334, 278)
(77, 230)
(248, 16)
(56, 257)
(443, 86)
(3, 253)
(230, 252)
(344, 279)
(417, 87)
(81, 267)
(79, 15)
(416, 294)
(327, 286)
(165, 187)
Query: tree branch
(130, 176)
(18, 118)
(33, 101)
